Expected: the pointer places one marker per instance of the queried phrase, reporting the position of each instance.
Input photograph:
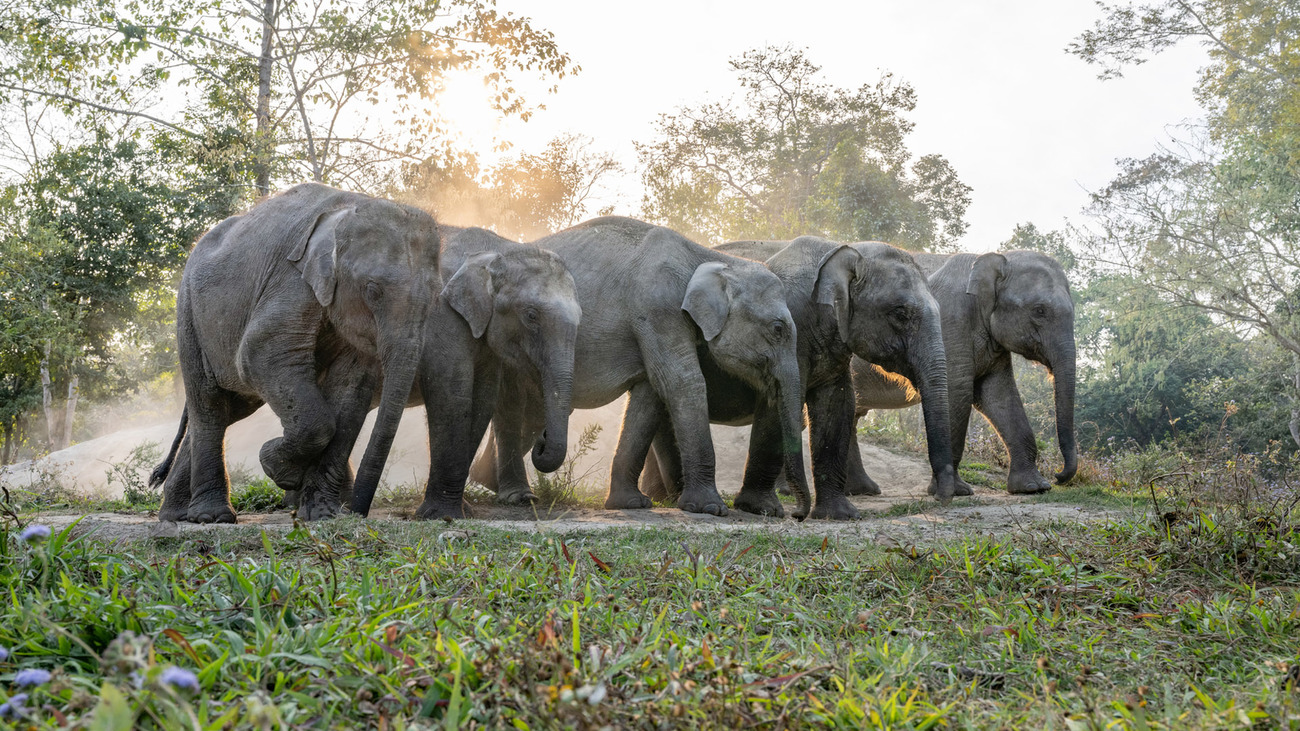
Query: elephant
(653, 303)
(866, 299)
(993, 305)
(303, 303)
(505, 306)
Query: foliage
(256, 496)
(565, 485)
(132, 475)
(524, 197)
(1140, 623)
(798, 156)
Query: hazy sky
(1025, 124)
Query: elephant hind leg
(176, 486)
(209, 483)
(642, 418)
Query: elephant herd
(325, 304)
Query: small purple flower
(4, 653)
(180, 678)
(14, 709)
(34, 532)
(31, 676)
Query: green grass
(1190, 623)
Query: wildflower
(34, 532)
(13, 709)
(4, 653)
(180, 678)
(31, 676)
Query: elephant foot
(960, 488)
(835, 507)
(517, 496)
(860, 485)
(284, 472)
(214, 510)
(1027, 482)
(169, 514)
(624, 500)
(453, 509)
(290, 499)
(759, 503)
(702, 500)
(319, 507)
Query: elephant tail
(160, 472)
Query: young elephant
(866, 299)
(994, 305)
(652, 302)
(505, 306)
(300, 303)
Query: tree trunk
(70, 409)
(52, 431)
(262, 142)
(9, 443)
(1294, 426)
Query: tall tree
(798, 155)
(1213, 222)
(327, 89)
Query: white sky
(1029, 127)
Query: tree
(524, 197)
(330, 89)
(1212, 223)
(801, 156)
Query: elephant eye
(900, 313)
(374, 293)
(778, 328)
(1040, 310)
(531, 316)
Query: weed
(565, 486)
(132, 475)
(256, 496)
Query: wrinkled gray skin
(302, 303)
(993, 305)
(506, 307)
(652, 303)
(867, 299)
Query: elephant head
(373, 266)
(880, 304)
(1022, 299)
(740, 309)
(526, 306)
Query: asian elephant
(993, 305)
(506, 307)
(866, 299)
(657, 309)
(303, 302)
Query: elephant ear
(317, 255)
(472, 293)
(985, 280)
(707, 300)
(835, 274)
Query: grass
(1179, 623)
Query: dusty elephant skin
(868, 299)
(652, 303)
(302, 303)
(994, 305)
(505, 306)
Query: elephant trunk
(557, 395)
(400, 363)
(930, 376)
(789, 403)
(1063, 378)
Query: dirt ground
(903, 478)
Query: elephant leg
(511, 445)
(830, 423)
(762, 465)
(857, 481)
(661, 480)
(212, 411)
(349, 386)
(464, 402)
(961, 399)
(176, 488)
(999, 400)
(687, 405)
(641, 420)
(286, 377)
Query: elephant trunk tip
(548, 454)
(1067, 473)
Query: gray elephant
(993, 305)
(867, 299)
(654, 305)
(505, 306)
(303, 303)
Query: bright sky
(1025, 124)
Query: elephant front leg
(460, 405)
(511, 445)
(349, 386)
(857, 481)
(830, 416)
(642, 418)
(762, 465)
(999, 400)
